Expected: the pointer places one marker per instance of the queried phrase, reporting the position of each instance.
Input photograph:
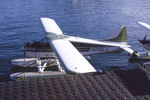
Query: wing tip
(140, 22)
(50, 25)
(144, 24)
(46, 18)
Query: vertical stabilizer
(120, 37)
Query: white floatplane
(71, 52)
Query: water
(95, 19)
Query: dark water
(95, 19)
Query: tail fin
(120, 37)
(51, 26)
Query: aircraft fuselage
(44, 50)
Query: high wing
(68, 55)
(144, 24)
(120, 41)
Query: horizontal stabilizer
(51, 26)
(144, 24)
(96, 42)
(129, 50)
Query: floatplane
(70, 53)
(144, 56)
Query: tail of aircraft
(120, 37)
